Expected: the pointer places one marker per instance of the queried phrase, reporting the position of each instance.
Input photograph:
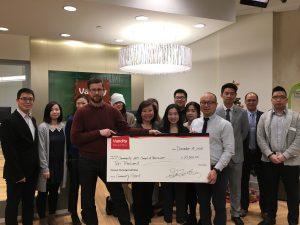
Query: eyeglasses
(27, 99)
(280, 97)
(209, 103)
(96, 90)
(180, 97)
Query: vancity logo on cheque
(120, 142)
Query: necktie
(204, 128)
(252, 133)
(227, 116)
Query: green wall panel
(62, 83)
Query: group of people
(241, 141)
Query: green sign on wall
(62, 83)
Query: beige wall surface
(240, 52)
(286, 49)
(72, 56)
(14, 47)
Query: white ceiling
(47, 19)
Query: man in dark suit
(252, 156)
(19, 140)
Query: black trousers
(290, 178)
(17, 192)
(51, 195)
(191, 196)
(252, 162)
(216, 192)
(142, 202)
(89, 171)
(73, 169)
(175, 192)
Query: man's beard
(97, 99)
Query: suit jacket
(240, 124)
(257, 153)
(19, 149)
(291, 135)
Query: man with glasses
(91, 126)
(278, 136)
(19, 141)
(180, 99)
(239, 121)
(221, 141)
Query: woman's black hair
(196, 105)
(47, 111)
(143, 105)
(166, 122)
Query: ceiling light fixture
(119, 40)
(65, 35)
(3, 29)
(142, 18)
(13, 78)
(70, 8)
(153, 58)
(199, 25)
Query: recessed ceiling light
(142, 18)
(3, 29)
(119, 40)
(65, 35)
(98, 27)
(70, 8)
(199, 25)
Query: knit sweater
(89, 120)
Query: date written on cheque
(187, 148)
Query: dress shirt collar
(274, 113)
(225, 108)
(211, 117)
(249, 112)
(24, 115)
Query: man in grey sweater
(278, 136)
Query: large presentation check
(158, 158)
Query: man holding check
(221, 139)
(92, 125)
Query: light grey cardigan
(44, 144)
(291, 136)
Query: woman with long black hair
(172, 124)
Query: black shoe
(75, 219)
(237, 220)
(192, 220)
(244, 212)
(109, 206)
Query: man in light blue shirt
(221, 139)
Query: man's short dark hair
(279, 88)
(229, 85)
(24, 90)
(180, 91)
(93, 80)
(251, 93)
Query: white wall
(240, 52)
(14, 47)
